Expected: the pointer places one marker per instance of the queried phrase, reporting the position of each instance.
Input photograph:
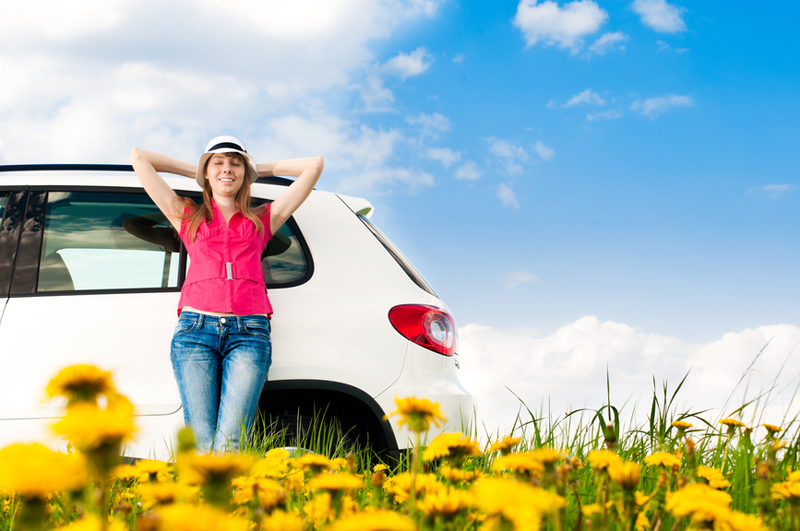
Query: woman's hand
(306, 170)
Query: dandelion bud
(378, 479)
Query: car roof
(281, 181)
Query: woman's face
(226, 174)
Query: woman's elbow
(318, 164)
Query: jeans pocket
(185, 325)
(258, 328)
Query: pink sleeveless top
(225, 274)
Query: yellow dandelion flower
(398, 486)
(777, 445)
(417, 413)
(456, 475)
(283, 521)
(786, 490)
(505, 445)
(152, 494)
(547, 456)
(380, 520)
(335, 482)
(278, 453)
(642, 522)
(714, 477)
(35, 471)
(339, 463)
(445, 503)
(294, 480)
(591, 509)
(312, 463)
(379, 467)
(519, 463)
(520, 503)
(270, 494)
(451, 446)
(269, 467)
(93, 523)
(89, 427)
(732, 423)
(601, 460)
(187, 517)
(212, 468)
(745, 522)
(244, 489)
(626, 474)
(773, 429)
(318, 509)
(151, 467)
(681, 425)
(699, 501)
(125, 472)
(80, 383)
(664, 459)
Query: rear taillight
(427, 326)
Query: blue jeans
(220, 364)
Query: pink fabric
(207, 287)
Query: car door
(95, 281)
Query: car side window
(3, 203)
(283, 260)
(104, 241)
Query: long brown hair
(186, 208)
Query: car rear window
(402, 261)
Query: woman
(221, 348)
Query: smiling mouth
(225, 180)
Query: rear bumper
(432, 376)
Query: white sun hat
(226, 144)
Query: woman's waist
(221, 314)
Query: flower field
(679, 472)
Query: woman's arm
(147, 165)
(307, 172)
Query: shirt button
(222, 320)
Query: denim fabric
(220, 364)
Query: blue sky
(587, 184)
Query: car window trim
(10, 229)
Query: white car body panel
(332, 328)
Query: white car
(90, 272)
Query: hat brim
(251, 171)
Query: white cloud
(374, 95)
(773, 191)
(510, 155)
(86, 88)
(468, 171)
(408, 65)
(608, 41)
(512, 280)
(611, 114)
(543, 151)
(564, 27)
(653, 107)
(507, 196)
(566, 370)
(431, 124)
(588, 97)
(660, 15)
(446, 156)
(458, 58)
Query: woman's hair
(187, 209)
